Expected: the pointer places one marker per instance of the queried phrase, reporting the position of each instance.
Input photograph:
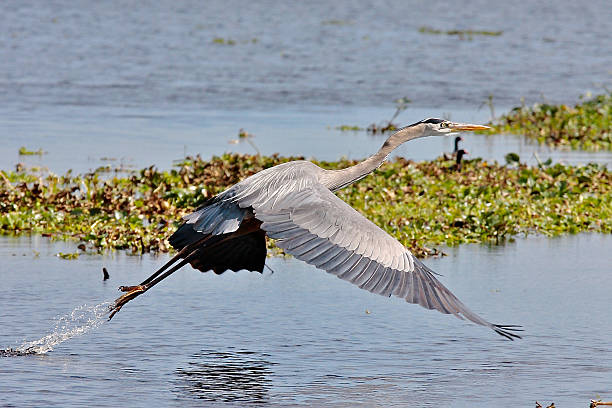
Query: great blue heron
(294, 203)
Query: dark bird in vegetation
(451, 156)
(294, 203)
(105, 273)
(459, 158)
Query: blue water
(161, 55)
(145, 85)
(301, 337)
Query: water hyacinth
(423, 204)
(587, 125)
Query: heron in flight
(294, 203)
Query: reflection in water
(230, 376)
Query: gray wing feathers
(218, 218)
(319, 228)
(225, 213)
(312, 224)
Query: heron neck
(337, 179)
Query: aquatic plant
(422, 204)
(349, 128)
(25, 152)
(223, 41)
(512, 158)
(401, 105)
(490, 105)
(69, 255)
(243, 136)
(586, 125)
(460, 33)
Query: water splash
(81, 320)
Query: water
(301, 337)
(162, 54)
(308, 134)
(147, 85)
(78, 322)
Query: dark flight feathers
(244, 252)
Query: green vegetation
(422, 204)
(25, 152)
(512, 158)
(223, 41)
(349, 128)
(460, 33)
(587, 125)
(69, 255)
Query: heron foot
(131, 288)
(132, 293)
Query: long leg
(135, 291)
(157, 272)
(189, 248)
(193, 250)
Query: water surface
(301, 337)
(147, 84)
(161, 54)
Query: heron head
(439, 127)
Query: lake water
(146, 85)
(97, 83)
(301, 337)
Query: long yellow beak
(467, 127)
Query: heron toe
(131, 288)
(132, 292)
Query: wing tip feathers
(508, 330)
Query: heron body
(294, 203)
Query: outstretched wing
(317, 227)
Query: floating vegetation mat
(460, 33)
(587, 125)
(422, 204)
(25, 152)
(76, 323)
